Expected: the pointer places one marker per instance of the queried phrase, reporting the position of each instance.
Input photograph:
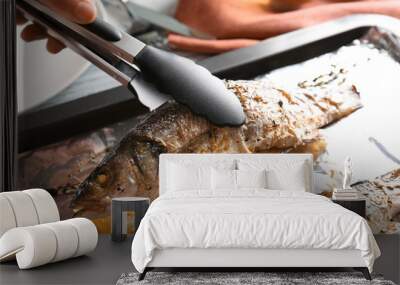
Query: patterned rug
(242, 278)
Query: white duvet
(250, 219)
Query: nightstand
(357, 206)
(121, 209)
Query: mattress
(250, 219)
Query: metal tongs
(153, 75)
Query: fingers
(54, 45)
(33, 32)
(79, 11)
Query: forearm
(275, 24)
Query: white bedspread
(250, 219)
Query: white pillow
(181, 177)
(251, 178)
(228, 179)
(282, 174)
(223, 179)
(293, 178)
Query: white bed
(207, 226)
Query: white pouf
(7, 219)
(31, 230)
(45, 205)
(37, 245)
(23, 209)
(32, 246)
(66, 237)
(26, 208)
(87, 234)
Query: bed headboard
(215, 159)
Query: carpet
(242, 278)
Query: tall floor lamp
(8, 97)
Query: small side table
(121, 208)
(357, 206)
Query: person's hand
(79, 11)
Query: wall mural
(340, 104)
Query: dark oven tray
(62, 121)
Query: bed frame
(246, 259)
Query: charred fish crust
(135, 158)
(145, 151)
(173, 127)
(97, 182)
(96, 188)
(102, 165)
(163, 116)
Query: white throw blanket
(250, 219)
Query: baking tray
(97, 110)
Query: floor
(111, 259)
(103, 266)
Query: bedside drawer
(357, 206)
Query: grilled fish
(383, 201)
(277, 120)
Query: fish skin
(276, 120)
(382, 196)
(130, 167)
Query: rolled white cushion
(45, 205)
(26, 208)
(87, 235)
(40, 244)
(66, 238)
(23, 208)
(7, 218)
(33, 246)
